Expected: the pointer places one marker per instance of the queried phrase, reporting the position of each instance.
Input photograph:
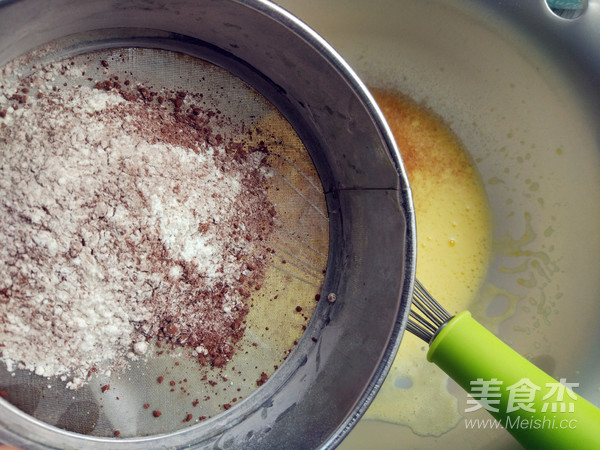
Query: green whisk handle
(535, 408)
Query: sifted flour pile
(123, 217)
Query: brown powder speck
(263, 378)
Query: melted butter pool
(453, 252)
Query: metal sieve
(123, 402)
(322, 388)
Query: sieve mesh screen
(167, 388)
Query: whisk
(535, 408)
(432, 315)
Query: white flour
(122, 221)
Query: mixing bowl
(518, 85)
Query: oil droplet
(528, 283)
(513, 247)
(518, 269)
(403, 383)
(487, 308)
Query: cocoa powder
(126, 219)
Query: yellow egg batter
(453, 249)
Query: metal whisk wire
(426, 315)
